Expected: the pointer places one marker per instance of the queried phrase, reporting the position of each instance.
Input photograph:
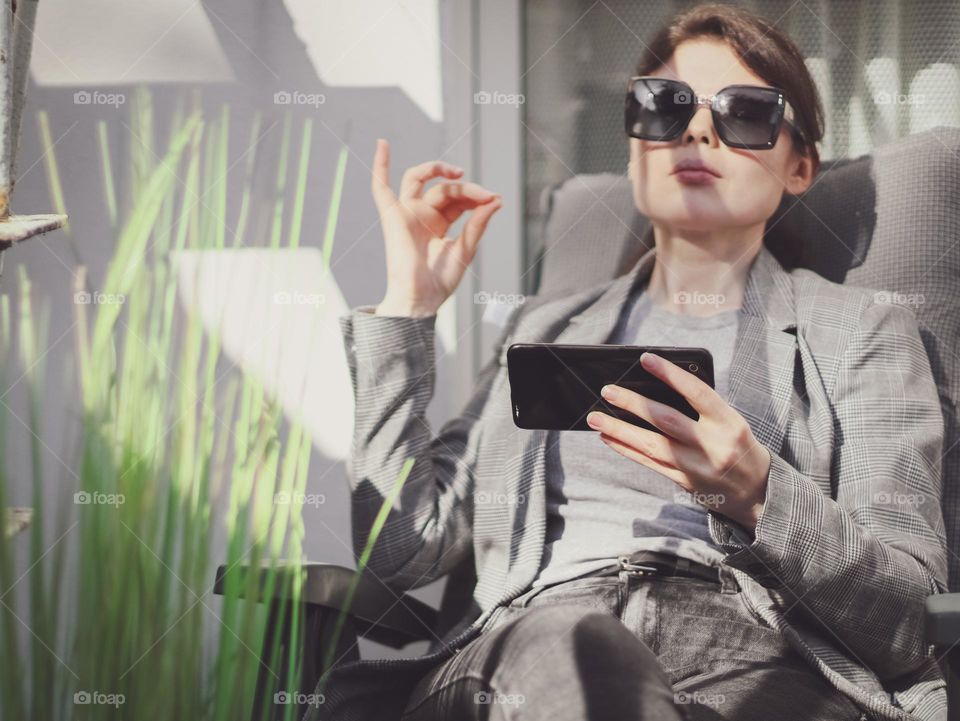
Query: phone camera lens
(693, 367)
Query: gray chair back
(887, 221)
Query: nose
(700, 128)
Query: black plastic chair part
(376, 612)
(943, 632)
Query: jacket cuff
(373, 339)
(763, 556)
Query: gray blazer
(851, 539)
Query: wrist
(749, 516)
(397, 307)
(748, 513)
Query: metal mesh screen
(884, 70)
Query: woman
(768, 561)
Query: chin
(696, 225)
(693, 215)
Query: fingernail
(649, 359)
(609, 392)
(593, 419)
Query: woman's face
(751, 182)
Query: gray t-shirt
(601, 504)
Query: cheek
(762, 182)
(650, 176)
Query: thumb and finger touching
(450, 199)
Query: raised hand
(424, 266)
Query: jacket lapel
(761, 375)
(759, 383)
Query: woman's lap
(560, 662)
(693, 653)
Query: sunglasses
(745, 116)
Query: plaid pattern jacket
(850, 541)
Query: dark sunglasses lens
(657, 109)
(749, 117)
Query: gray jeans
(560, 653)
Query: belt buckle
(639, 569)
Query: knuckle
(638, 440)
(727, 458)
(731, 459)
(740, 433)
(699, 395)
(664, 420)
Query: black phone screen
(554, 386)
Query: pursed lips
(691, 164)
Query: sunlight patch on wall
(278, 321)
(114, 42)
(375, 43)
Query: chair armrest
(378, 612)
(943, 619)
(942, 629)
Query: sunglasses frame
(785, 112)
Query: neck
(702, 273)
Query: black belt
(652, 563)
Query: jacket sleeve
(392, 370)
(860, 564)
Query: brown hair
(762, 47)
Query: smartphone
(554, 386)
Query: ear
(801, 174)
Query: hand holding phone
(554, 386)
